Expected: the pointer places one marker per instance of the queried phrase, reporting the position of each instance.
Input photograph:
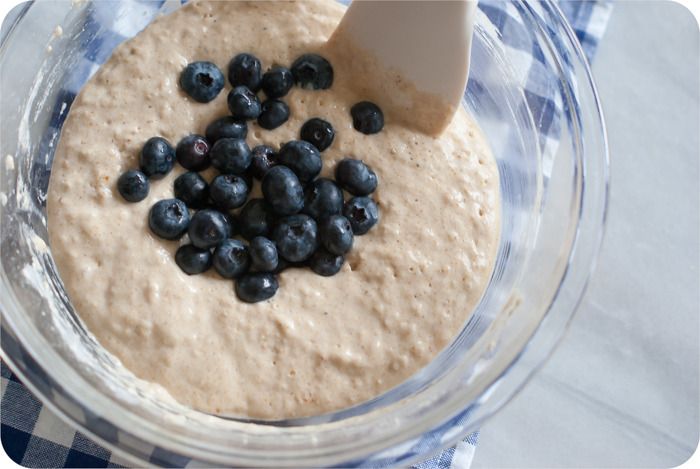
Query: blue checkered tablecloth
(31, 433)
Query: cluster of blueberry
(203, 81)
(302, 220)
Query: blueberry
(192, 260)
(322, 198)
(302, 158)
(296, 237)
(227, 191)
(230, 155)
(362, 213)
(277, 82)
(192, 189)
(273, 114)
(355, 177)
(282, 191)
(157, 157)
(231, 258)
(263, 254)
(325, 263)
(245, 70)
(317, 132)
(255, 219)
(243, 103)
(133, 186)
(283, 265)
(312, 71)
(208, 228)
(248, 178)
(232, 222)
(226, 127)
(263, 159)
(336, 234)
(253, 288)
(192, 152)
(169, 218)
(202, 81)
(367, 117)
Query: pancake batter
(320, 344)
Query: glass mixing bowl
(553, 163)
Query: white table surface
(622, 390)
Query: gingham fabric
(34, 437)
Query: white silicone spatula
(428, 42)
